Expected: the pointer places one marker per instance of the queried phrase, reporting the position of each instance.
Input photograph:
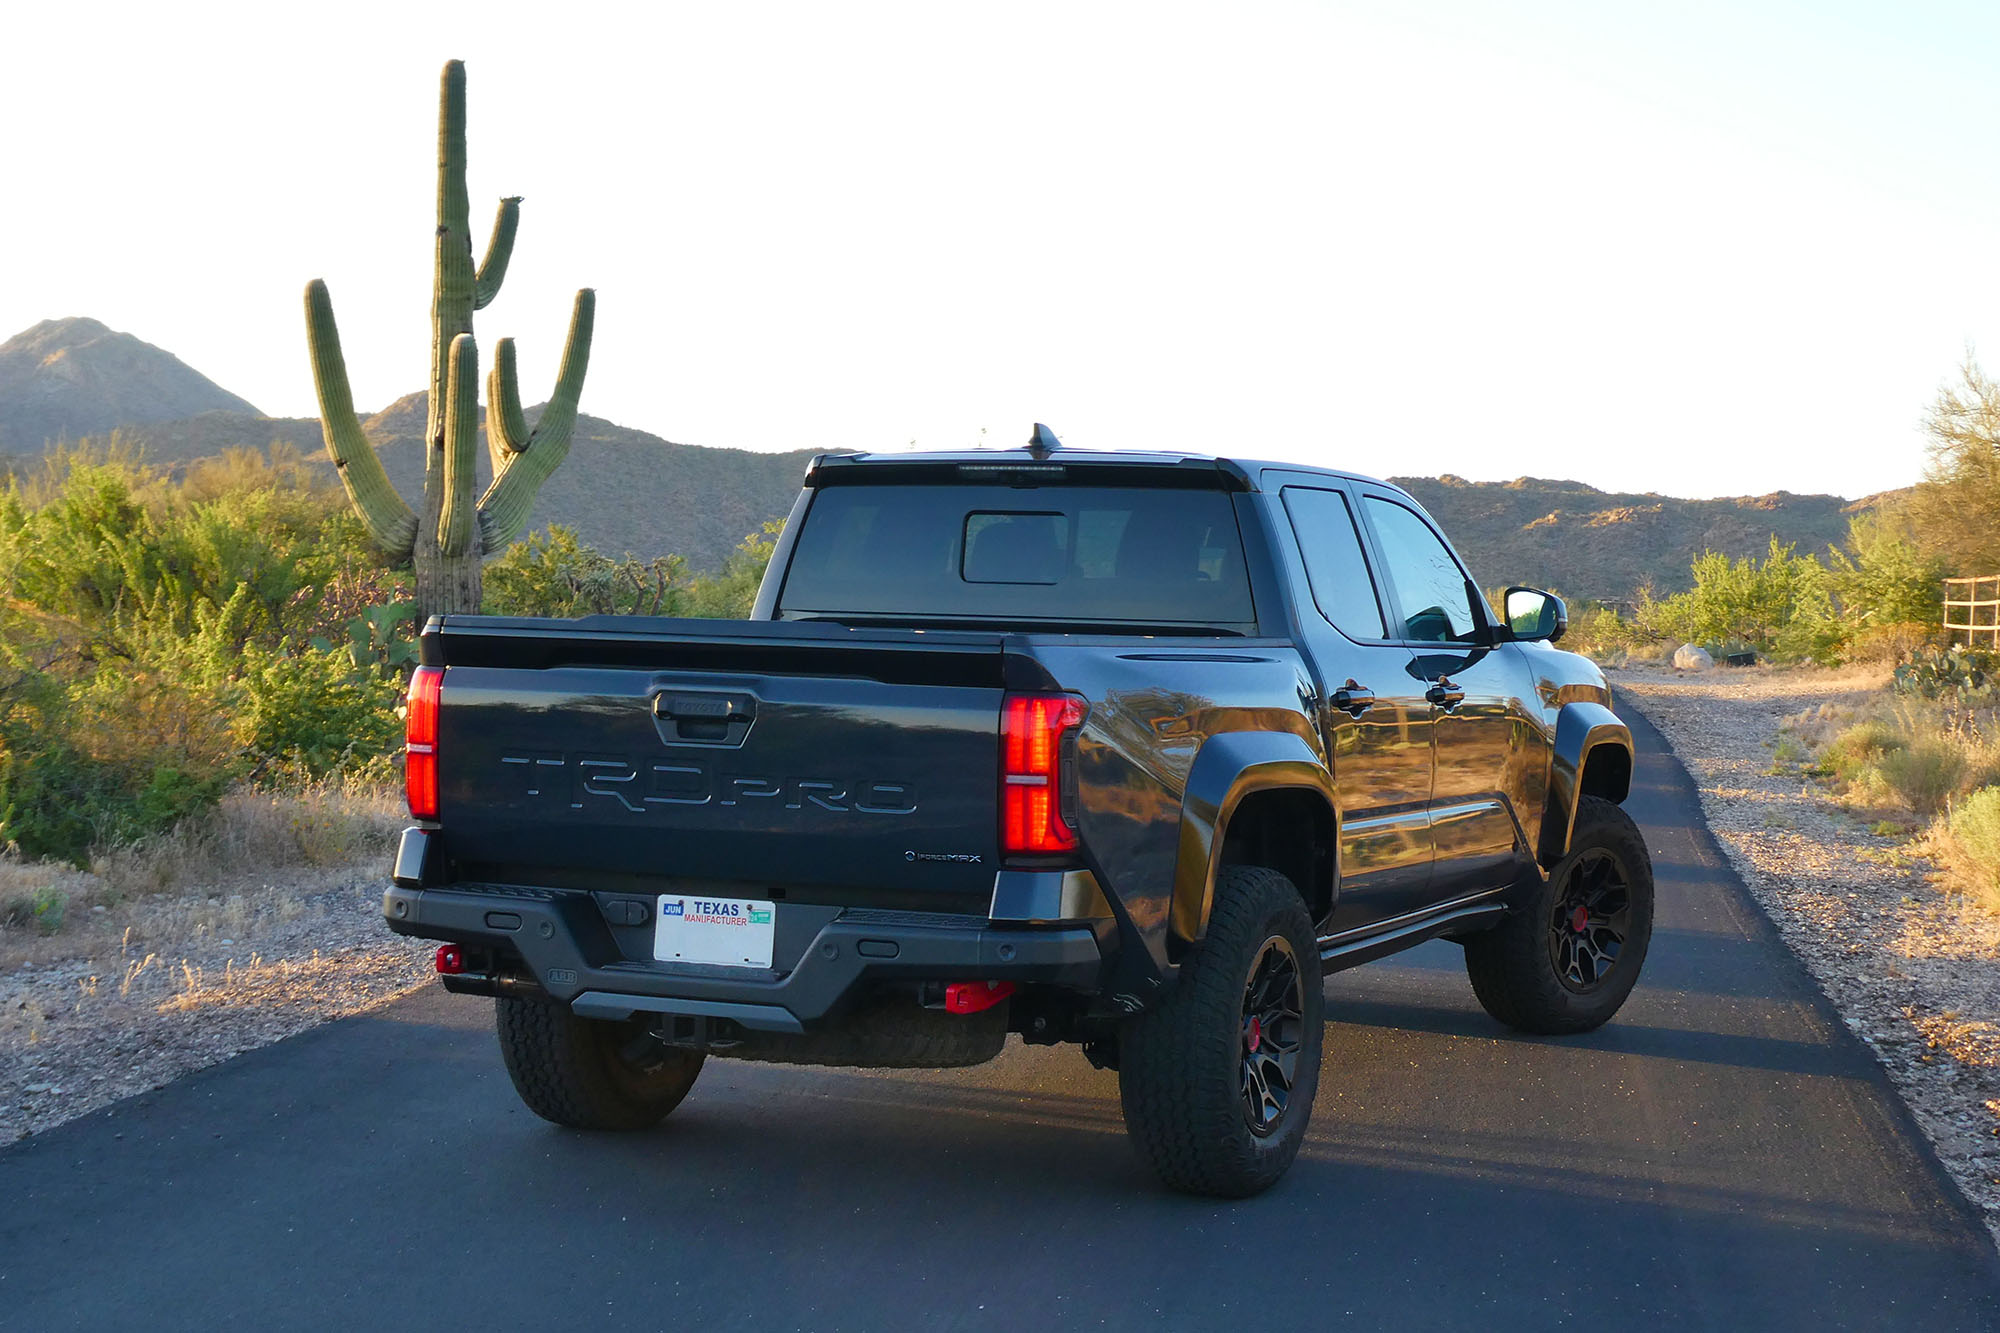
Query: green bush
(314, 709)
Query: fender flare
(1582, 726)
(1229, 767)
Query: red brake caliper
(1256, 1034)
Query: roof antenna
(1043, 442)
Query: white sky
(1695, 248)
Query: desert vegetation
(203, 670)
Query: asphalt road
(1723, 1156)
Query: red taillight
(1033, 728)
(420, 764)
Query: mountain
(626, 490)
(74, 377)
(1600, 545)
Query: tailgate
(771, 755)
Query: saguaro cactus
(448, 541)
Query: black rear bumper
(563, 939)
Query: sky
(1701, 249)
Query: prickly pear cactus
(450, 538)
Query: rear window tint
(1067, 553)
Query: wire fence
(1972, 608)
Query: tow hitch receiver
(971, 997)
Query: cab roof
(1143, 467)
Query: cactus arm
(499, 249)
(506, 427)
(504, 509)
(390, 524)
(461, 425)
(453, 281)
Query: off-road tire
(1513, 970)
(1181, 1065)
(588, 1073)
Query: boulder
(1692, 657)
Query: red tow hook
(450, 960)
(969, 997)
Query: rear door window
(1049, 553)
(1335, 565)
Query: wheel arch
(1244, 790)
(1592, 756)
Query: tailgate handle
(705, 717)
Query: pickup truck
(1120, 750)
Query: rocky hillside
(75, 377)
(1601, 545)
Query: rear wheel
(588, 1073)
(1218, 1081)
(1568, 958)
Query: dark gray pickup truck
(1122, 750)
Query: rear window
(1061, 553)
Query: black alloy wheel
(1568, 955)
(1273, 1032)
(1589, 920)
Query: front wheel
(588, 1073)
(1565, 961)
(1218, 1082)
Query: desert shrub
(731, 594)
(1600, 632)
(150, 638)
(1975, 833)
(1781, 606)
(554, 573)
(314, 709)
(1925, 772)
(1888, 586)
(1860, 747)
(58, 803)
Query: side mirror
(1535, 615)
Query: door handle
(1445, 694)
(1353, 698)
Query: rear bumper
(563, 939)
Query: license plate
(728, 932)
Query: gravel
(1914, 973)
(141, 992)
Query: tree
(1884, 579)
(1956, 509)
(449, 544)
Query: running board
(1336, 955)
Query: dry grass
(251, 833)
(1966, 844)
(1928, 769)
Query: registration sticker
(729, 932)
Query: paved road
(1725, 1156)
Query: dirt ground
(131, 995)
(1914, 972)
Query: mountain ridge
(628, 490)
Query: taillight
(420, 762)
(1034, 730)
